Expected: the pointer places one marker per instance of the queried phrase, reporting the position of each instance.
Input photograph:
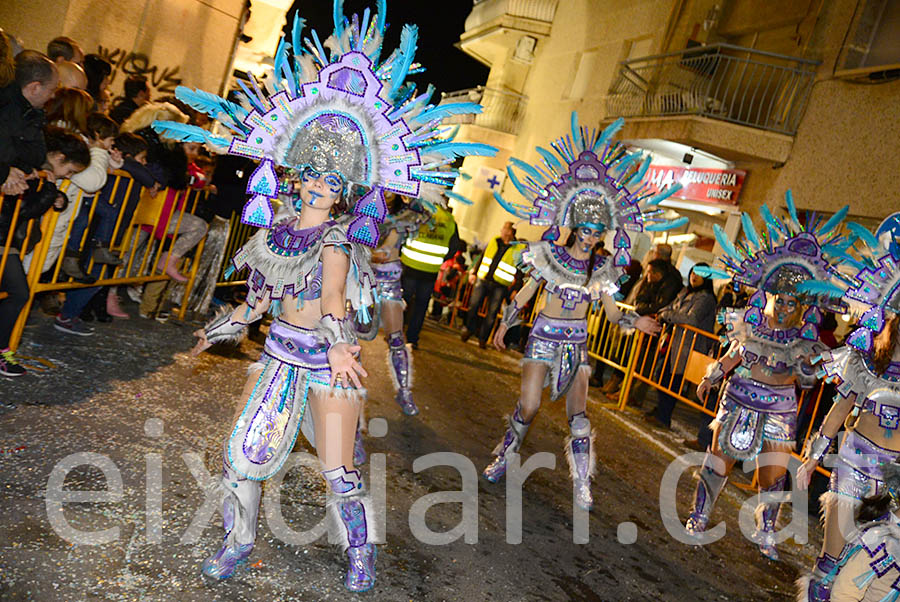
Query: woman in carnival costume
(587, 187)
(771, 345)
(866, 371)
(400, 225)
(335, 119)
(868, 565)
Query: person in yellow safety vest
(496, 272)
(422, 257)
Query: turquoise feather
(609, 132)
(726, 244)
(550, 158)
(669, 225)
(862, 232)
(836, 219)
(525, 191)
(792, 209)
(457, 197)
(750, 231)
(510, 208)
(408, 38)
(576, 132)
(820, 287)
(531, 171)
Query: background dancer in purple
(771, 346)
(587, 193)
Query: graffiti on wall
(162, 80)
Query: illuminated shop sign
(704, 185)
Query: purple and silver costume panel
(294, 360)
(387, 281)
(562, 343)
(858, 472)
(752, 412)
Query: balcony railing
(741, 85)
(503, 111)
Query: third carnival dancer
(401, 232)
(866, 371)
(585, 187)
(771, 345)
(335, 119)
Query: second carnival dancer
(337, 119)
(585, 187)
(771, 345)
(400, 226)
(866, 371)
(868, 565)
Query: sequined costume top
(853, 372)
(284, 261)
(777, 351)
(564, 276)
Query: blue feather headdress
(588, 179)
(875, 288)
(338, 107)
(788, 257)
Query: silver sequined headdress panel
(329, 143)
(785, 279)
(588, 205)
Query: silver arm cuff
(714, 373)
(818, 446)
(511, 314)
(223, 328)
(628, 319)
(336, 330)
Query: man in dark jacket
(22, 148)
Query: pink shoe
(112, 306)
(170, 268)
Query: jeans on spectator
(495, 293)
(15, 285)
(78, 298)
(104, 219)
(417, 289)
(665, 402)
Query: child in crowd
(67, 155)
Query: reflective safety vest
(427, 251)
(505, 272)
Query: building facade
(799, 94)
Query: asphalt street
(151, 421)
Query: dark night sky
(440, 24)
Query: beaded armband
(628, 319)
(511, 314)
(818, 446)
(714, 374)
(223, 328)
(336, 330)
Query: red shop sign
(704, 185)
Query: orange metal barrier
(646, 365)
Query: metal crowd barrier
(649, 365)
(135, 243)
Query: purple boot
(766, 515)
(708, 489)
(512, 441)
(352, 520)
(580, 455)
(816, 587)
(240, 513)
(401, 372)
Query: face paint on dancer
(587, 236)
(787, 310)
(320, 190)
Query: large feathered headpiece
(875, 287)
(588, 180)
(784, 259)
(342, 111)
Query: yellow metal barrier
(141, 231)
